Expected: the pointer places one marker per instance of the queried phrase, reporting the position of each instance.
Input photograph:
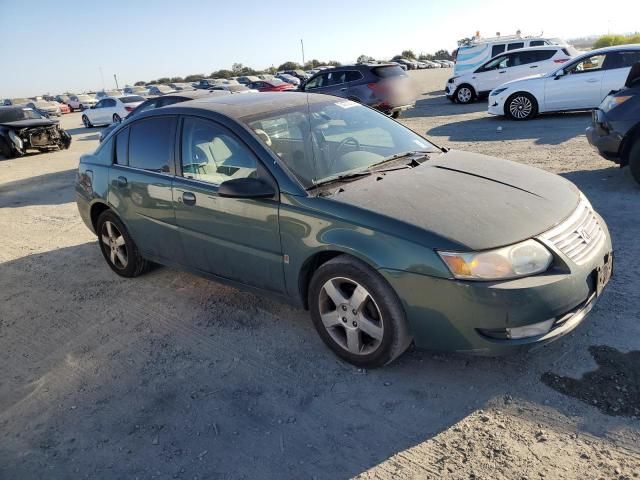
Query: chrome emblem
(582, 233)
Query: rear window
(570, 51)
(388, 71)
(132, 99)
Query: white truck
(472, 53)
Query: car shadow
(82, 130)
(92, 137)
(436, 104)
(48, 189)
(126, 377)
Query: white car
(110, 110)
(80, 102)
(523, 62)
(580, 84)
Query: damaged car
(23, 128)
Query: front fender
(306, 233)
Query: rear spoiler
(634, 75)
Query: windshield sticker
(346, 104)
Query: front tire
(116, 118)
(117, 247)
(86, 122)
(464, 94)
(357, 313)
(634, 160)
(521, 106)
(5, 149)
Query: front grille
(579, 236)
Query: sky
(57, 46)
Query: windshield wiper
(346, 177)
(412, 153)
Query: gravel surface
(172, 376)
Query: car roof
(541, 47)
(240, 106)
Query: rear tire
(634, 160)
(116, 118)
(117, 247)
(357, 313)
(396, 114)
(464, 94)
(521, 106)
(87, 123)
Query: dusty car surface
(22, 128)
(386, 238)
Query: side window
(336, 78)
(542, 55)
(513, 46)
(122, 147)
(621, 60)
(589, 64)
(353, 76)
(104, 154)
(100, 104)
(315, 82)
(148, 105)
(497, 49)
(109, 102)
(498, 62)
(536, 43)
(212, 154)
(151, 144)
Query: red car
(270, 86)
(64, 108)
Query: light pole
(302, 45)
(116, 79)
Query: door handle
(502, 71)
(343, 89)
(122, 181)
(533, 66)
(592, 80)
(188, 198)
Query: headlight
(497, 91)
(452, 79)
(611, 102)
(519, 260)
(15, 139)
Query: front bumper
(453, 315)
(602, 138)
(496, 104)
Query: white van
(473, 53)
(512, 65)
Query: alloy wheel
(85, 121)
(520, 107)
(115, 245)
(464, 95)
(351, 316)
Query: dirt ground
(172, 376)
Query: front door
(579, 88)
(141, 179)
(236, 239)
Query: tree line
(611, 40)
(238, 70)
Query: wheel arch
(95, 211)
(533, 96)
(474, 92)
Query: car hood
(467, 201)
(43, 122)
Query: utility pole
(101, 77)
(116, 79)
(302, 45)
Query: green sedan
(386, 238)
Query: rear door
(232, 238)
(579, 88)
(107, 111)
(141, 180)
(616, 67)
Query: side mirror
(246, 188)
(559, 74)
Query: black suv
(383, 86)
(615, 127)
